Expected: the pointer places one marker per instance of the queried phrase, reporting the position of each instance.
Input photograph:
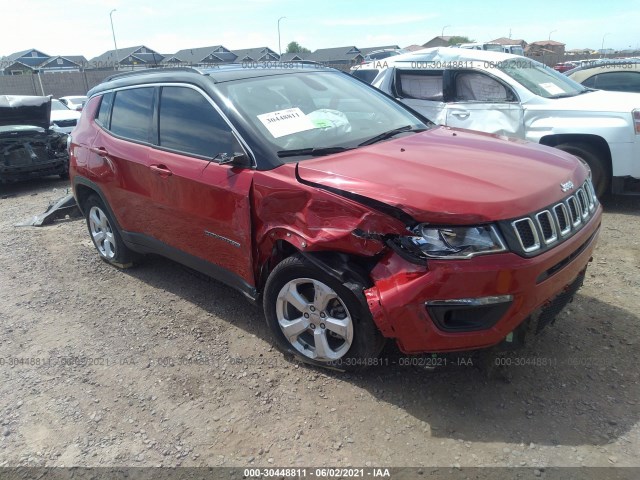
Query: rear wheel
(590, 156)
(318, 319)
(105, 236)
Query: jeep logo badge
(566, 186)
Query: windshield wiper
(391, 133)
(312, 151)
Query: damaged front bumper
(456, 305)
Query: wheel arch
(83, 189)
(343, 266)
(594, 141)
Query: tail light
(636, 121)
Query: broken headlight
(428, 242)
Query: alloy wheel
(314, 319)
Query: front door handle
(461, 114)
(100, 151)
(161, 170)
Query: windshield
(58, 105)
(365, 75)
(319, 110)
(493, 47)
(540, 79)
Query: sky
(82, 27)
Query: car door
(479, 101)
(422, 90)
(118, 156)
(200, 207)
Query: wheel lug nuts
(312, 309)
(322, 315)
(322, 326)
(312, 326)
(306, 315)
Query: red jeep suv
(351, 217)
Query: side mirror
(237, 159)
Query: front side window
(132, 112)
(478, 87)
(189, 123)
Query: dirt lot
(156, 366)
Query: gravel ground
(156, 366)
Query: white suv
(519, 97)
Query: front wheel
(318, 319)
(593, 159)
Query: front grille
(527, 234)
(562, 218)
(536, 233)
(548, 226)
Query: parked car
(519, 97)
(75, 102)
(350, 217)
(617, 76)
(28, 147)
(367, 72)
(383, 53)
(565, 66)
(63, 119)
(513, 49)
(494, 47)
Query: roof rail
(148, 71)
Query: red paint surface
(451, 176)
(401, 289)
(440, 176)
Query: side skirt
(144, 244)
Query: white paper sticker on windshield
(286, 122)
(552, 88)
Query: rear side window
(189, 123)
(132, 112)
(423, 85)
(104, 113)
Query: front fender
(313, 219)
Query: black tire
(592, 157)
(110, 247)
(64, 175)
(347, 307)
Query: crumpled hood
(25, 110)
(448, 175)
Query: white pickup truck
(518, 97)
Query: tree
(458, 39)
(294, 47)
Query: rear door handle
(100, 151)
(461, 114)
(161, 170)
